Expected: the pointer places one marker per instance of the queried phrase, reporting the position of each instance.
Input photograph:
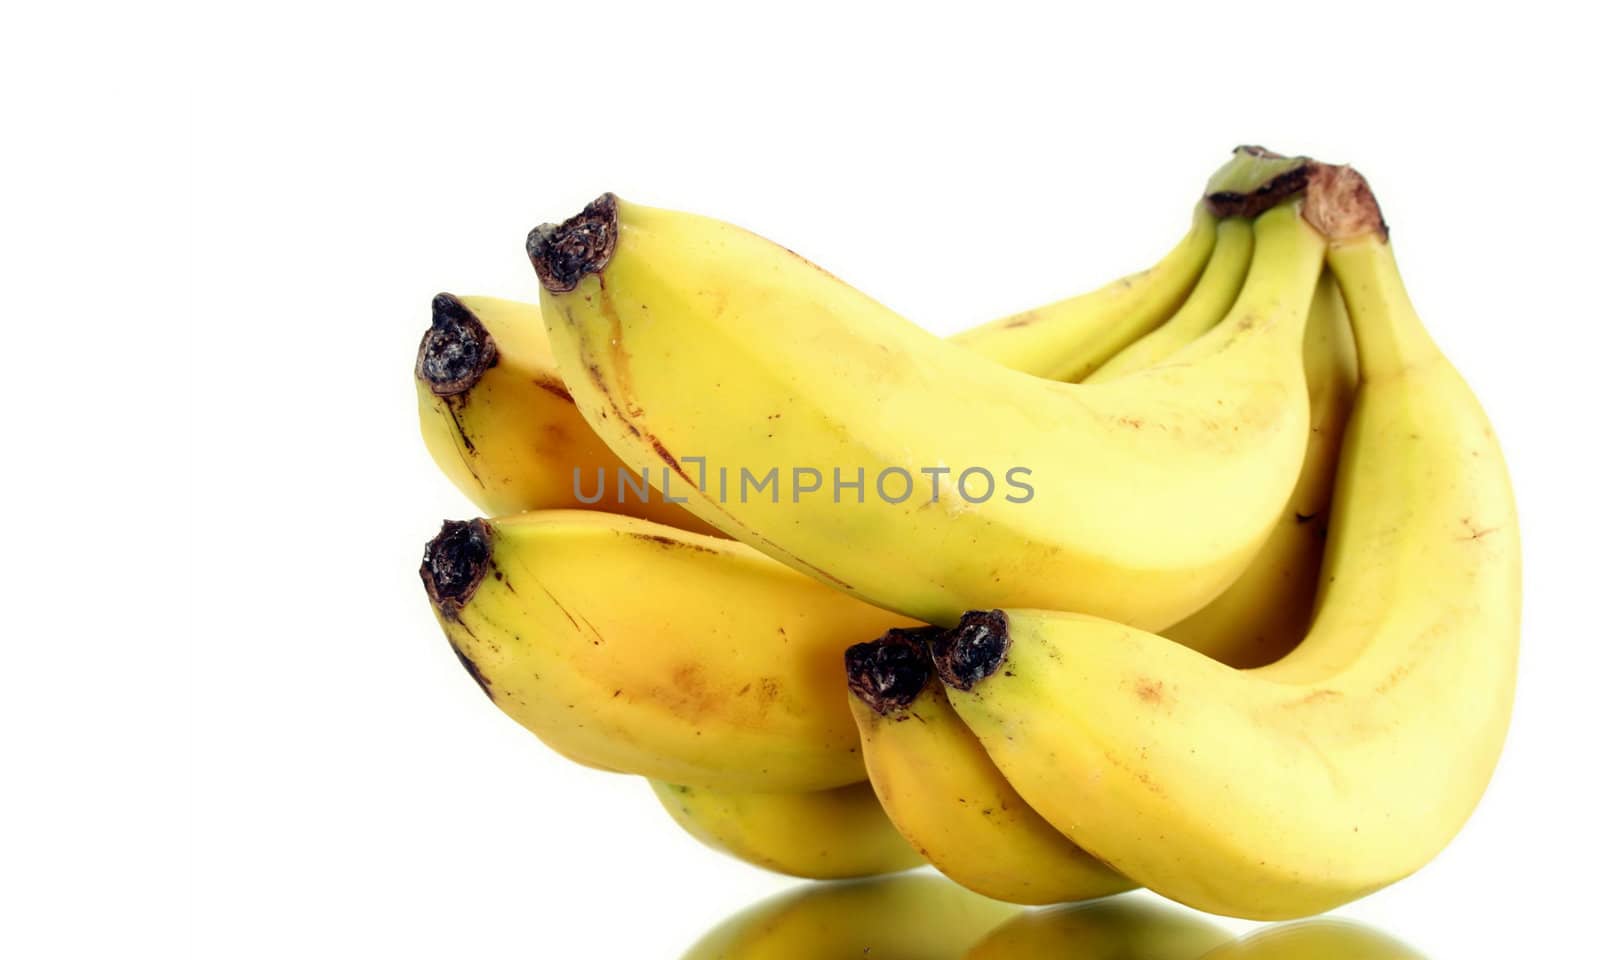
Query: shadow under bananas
(923, 916)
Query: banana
(912, 917)
(698, 345)
(821, 835)
(640, 648)
(944, 793)
(1315, 940)
(1287, 790)
(1207, 305)
(508, 320)
(1069, 339)
(1265, 612)
(498, 420)
(1119, 929)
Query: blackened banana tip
(973, 649)
(563, 254)
(456, 350)
(454, 563)
(1232, 203)
(888, 673)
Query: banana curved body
(1070, 339)
(1266, 611)
(946, 796)
(1149, 494)
(1213, 295)
(1287, 790)
(913, 917)
(640, 648)
(497, 418)
(820, 835)
(1119, 929)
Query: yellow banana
(698, 344)
(1207, 305)
(913, 917)
(821, 834)
(1067, 340)
(498, 420)
(1121, 929)
(1315, 940)
(945, 794)
(1289, 789)
(1265, 612)
(637, 647)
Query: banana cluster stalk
(1234, 616)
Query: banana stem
(1390, 337)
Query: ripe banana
(1207, 305)
(944, 793)
(913, 917)
(1153, 491)
(1287, 790)
(1265, 612)
(1067, 340)
(637, 647)
(821, 834)
(498, 420)
(1121, 929)
(1315, 940)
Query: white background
(231, 724)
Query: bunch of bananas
(1206, 581)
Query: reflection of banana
(1287, 790)
(945, 794)
(915, 917)
(1122, 929)
(821, 835)
(638, 647)
(1266, 611)
(1153, 490)
(1315, 940)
